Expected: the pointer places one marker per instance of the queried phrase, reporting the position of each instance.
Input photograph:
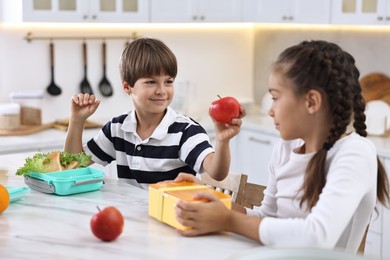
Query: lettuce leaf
(39, 162)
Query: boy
(152, 142)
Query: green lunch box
(16, 193)
(66, 182)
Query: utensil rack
(30, 37)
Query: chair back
(253, 195)
(233, 185)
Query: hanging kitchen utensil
(104, 85)
(52, 89)
(85, 87)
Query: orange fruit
(4, 198)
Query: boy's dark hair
(146, 57)
(326, 67)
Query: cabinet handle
(380, 18)
(256, 140)
(85, 16)
(290, 18)
(194, 17)
(284, 17)
(202, 17)
(94, 16)
(387, 18)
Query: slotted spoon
(104, 85)
(85, 87)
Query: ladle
(53, 89)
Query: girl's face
(151, 95)
(288, 110)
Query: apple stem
(219, 96)
(98, 208)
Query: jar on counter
(30, 102)
(9, 116)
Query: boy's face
(151, 94)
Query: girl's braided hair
(326, 67)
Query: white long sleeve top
(345, 205)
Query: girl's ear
(313, 101)
(126, 87)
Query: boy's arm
(82, 106)
(217, 164)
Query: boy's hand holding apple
(227, 112)
(224, 109)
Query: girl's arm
(213, 216)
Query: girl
(323, 180)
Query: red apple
(224, 109)
(107, 224)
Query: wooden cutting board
(376, 86)
(26, 129)
(59, 124)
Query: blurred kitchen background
(223, 47)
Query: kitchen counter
(45, 226)
(53, 139)
(46, 140)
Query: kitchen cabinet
(251, 149)
(195, 11)
(287, 11)
(254, 149)
(85, 11)
(386, 234)
(378, 235)
(367, 12)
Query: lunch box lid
(16, 193)
(74, 175)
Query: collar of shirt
(130, 124)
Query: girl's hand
(83, 105)
(186, 177)
(225, 132)
(204, 217)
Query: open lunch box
(66, 182)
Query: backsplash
(211, 62)
(369, 46)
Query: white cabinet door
(119, 11)
(287, 11)
(55, 10)
(219, 10)
(386, 234)
(373, 245)
(85, 11)
(172, 10)
(253, 155)
(195, 11)
(368, 12)
(385, 253)
(311, 11)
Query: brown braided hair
(327, 68)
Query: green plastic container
(16, 193)
(66, 182)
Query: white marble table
(44, 226)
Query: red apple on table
(107, 224)
(224, 109)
